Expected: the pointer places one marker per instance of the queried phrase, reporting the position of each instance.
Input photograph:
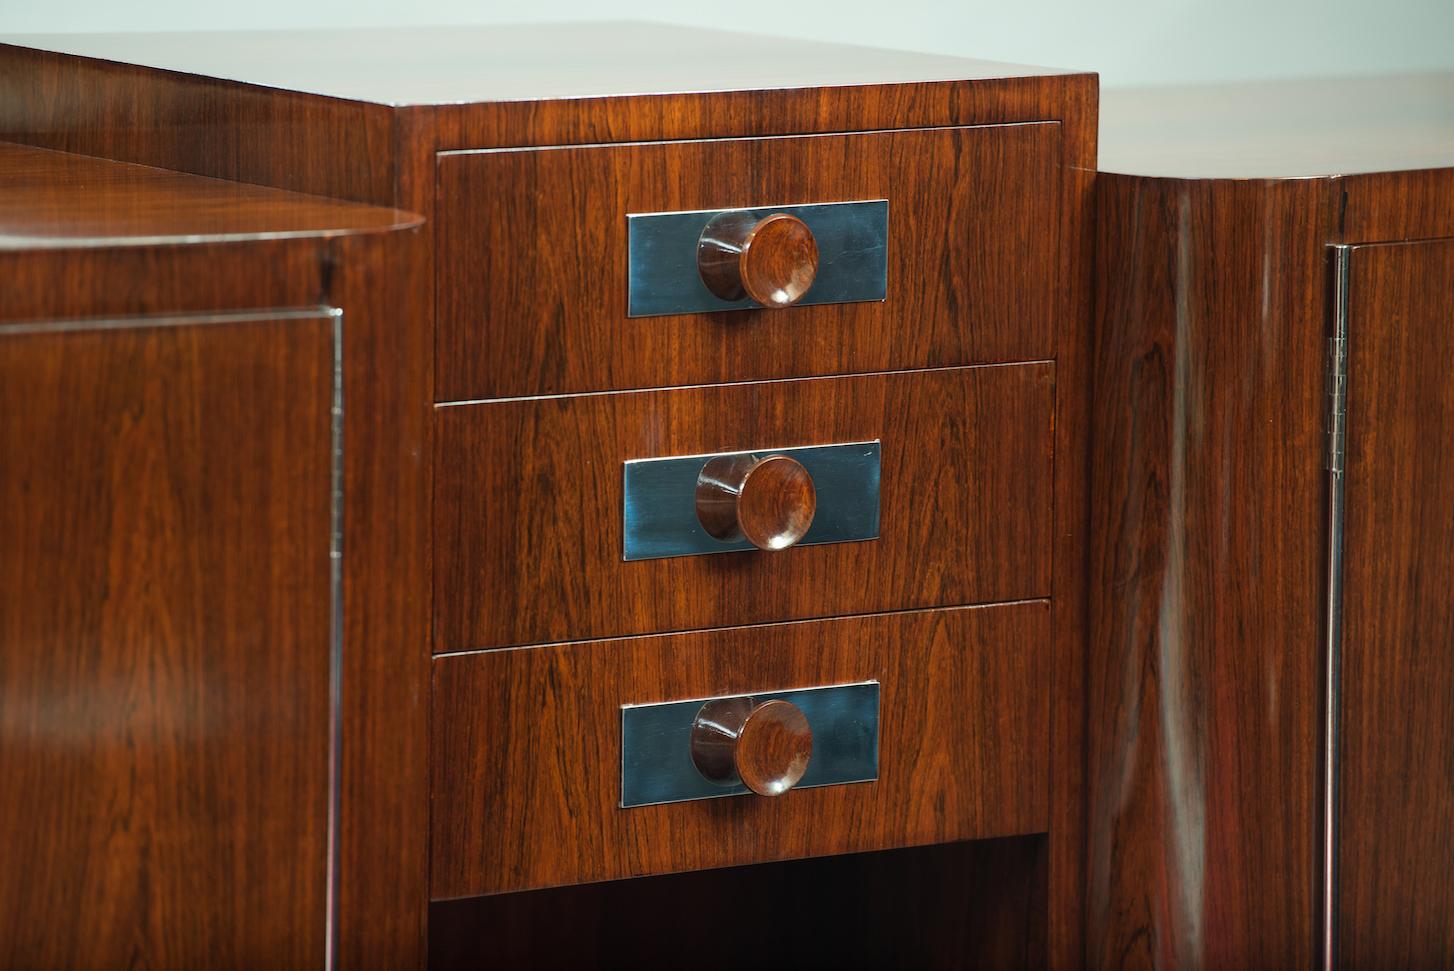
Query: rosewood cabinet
(697, 531)
(176, 558)
(657, 261)
(1271, 675)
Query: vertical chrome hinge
(1335, 374)
(1335, 368)
(1336, 377)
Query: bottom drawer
(527, 747)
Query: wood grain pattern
(759, 112)
(965, 505)
(767, 745)
(1207, 517)
(54, 199)
(1396, 745)
(1210, 523)
(384, 812)
(1070, 573)
(342, 149)
(977, 904)
(140, 280)
(373, 153)
(770, 501)
(1395, 206)
(773, 260)
(386, 155)
(377, 279)
(532, 296)
(165, 499)
(524, 798)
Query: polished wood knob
(765, 746)
(772, 260)
(769, 502)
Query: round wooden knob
(769, 501)
(765, 746)
(773, 260)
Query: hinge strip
(1336, 376)
(1336, 421)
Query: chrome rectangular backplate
(656, 757)
(662, 257)
(660, 516)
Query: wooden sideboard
(1271, 678)
(348, 594)
(494, 628)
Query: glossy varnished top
(461, 65)
(55, 200)
(1280, 130)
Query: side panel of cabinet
(1206, 563)
(166, 642)
(1396, 752)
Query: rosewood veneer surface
(1216, 210)
(168, 628)
(954, 761)
(165, 502)
(997, 274)
(964, 505)
(532, 293)
(55, 200)
(1396, 741)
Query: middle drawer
(528, 534)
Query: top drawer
(532, 259)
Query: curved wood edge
(58, 200)
(1206, 538)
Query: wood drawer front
(528, 505)
(527, 747)
(532, 259)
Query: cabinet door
(166, 641)
(1395, 795)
